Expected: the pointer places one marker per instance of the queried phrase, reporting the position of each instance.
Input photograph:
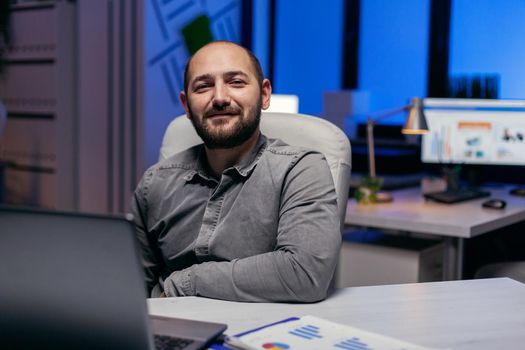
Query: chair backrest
(295, 129)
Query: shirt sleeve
(149, 257)
(301, 266)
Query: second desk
(410, 212)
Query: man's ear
(266, 92)
(184, 101)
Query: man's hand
(162, 295)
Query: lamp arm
(371, 122)
(371, 148)
(388, 113)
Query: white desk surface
(469, 314)
(411, 212)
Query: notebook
(74, 281)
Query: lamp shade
(416, 123)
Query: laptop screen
(70, 281)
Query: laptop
(74, 281)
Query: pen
(237, 344)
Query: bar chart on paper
(306, 332)
(352, 344)
(310, 332)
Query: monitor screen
(474, 131)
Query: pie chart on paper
(275, 346)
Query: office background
(115, 68)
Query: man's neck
(221, 159)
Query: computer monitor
(474, 131)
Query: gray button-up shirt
(267, 230)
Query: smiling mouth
(221, 114)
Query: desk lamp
(415, 125)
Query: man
(241, 217)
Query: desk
(470, 314)
(410, 212)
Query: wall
(487, 36)
(393, 50)
(308, 50)
(261, 33)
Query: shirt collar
(243, 168)
(248, 163)
(199, 166)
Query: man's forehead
(220, 58)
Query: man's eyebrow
(203, 77)
(228, 74)
(236, 72)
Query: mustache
(221, 110)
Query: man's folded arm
(303, 262)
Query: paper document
(311, 332)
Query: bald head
(229, 46)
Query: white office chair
(295, 129)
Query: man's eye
(238, 82)
(201, 87)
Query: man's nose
(221, 96)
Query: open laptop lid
(70, 281)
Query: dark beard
(241, 132)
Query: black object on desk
(456, 196)
(520, 191)
(494, 204)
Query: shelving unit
(73, 91)
(38, 90)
